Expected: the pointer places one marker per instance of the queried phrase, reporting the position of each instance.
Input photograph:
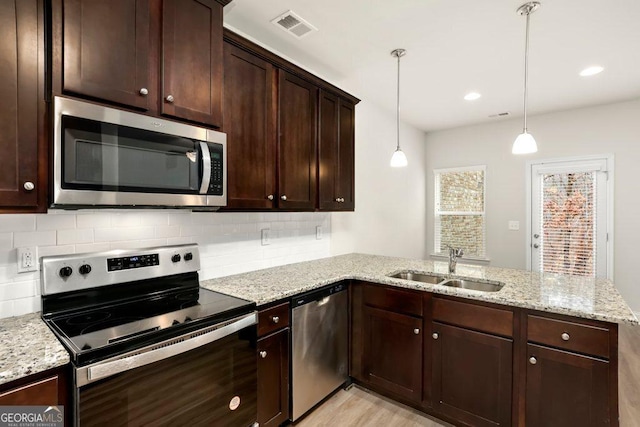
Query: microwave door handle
(206, 168)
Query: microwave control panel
(217, 172)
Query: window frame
(436, 214)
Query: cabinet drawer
(473, 316)
(572, 336)
(43, 392)
(396, 300)
(273, 318)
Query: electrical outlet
(266, 236)
(27, 259)
(319, 232)
(514, 225)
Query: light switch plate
(27, 259)
(266, 236)
(319, 232)
(514, 225)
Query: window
(569, 205)
(459, 210)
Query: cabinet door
(43, 392)
(106, 50)
(392, 352)
(21, 107)
(346, 154)
(273, 378)
(566, 389)
(249, 122)
(297, 108)
(192, 60)
(328, 152)
(471, 376)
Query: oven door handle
(161, 350)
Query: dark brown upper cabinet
(250, 125)
(159, 56)
(297, 122)
(335, 153)
(23, 141)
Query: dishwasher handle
(321, 296)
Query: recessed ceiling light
(472, 96)
(591, 71)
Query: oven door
(205, 378)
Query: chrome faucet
(454, 254)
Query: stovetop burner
(89, 318)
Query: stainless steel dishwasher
(320, 346)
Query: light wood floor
(359, 408)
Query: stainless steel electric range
(147, 344)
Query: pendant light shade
(525, 143)
(398, 160)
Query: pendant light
(398, 160)
(524, 143)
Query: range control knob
(175, 258)
(188, 256)
(66, 271)
(85, 269)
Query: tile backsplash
(229, 243)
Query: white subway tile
(184, 218)
(138, 244)
(179, 240)
(167, 231)
(17, 290)
(7, 257)
(56, 250)
(26, 305)
(79, 235)
(34, 238)
(154, 218)
(92, 247)
(20, 222)
(6, 309)
(128, 219)
(93, 220)
(6, 241)
(122, 234)
(55, 222)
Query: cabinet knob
(533, 360)
(275, 319)
(283, 197)
(263, 354)
(565, 336)
(270, 197)
(29, 186)
(338, 199)
(169, 98)
(144, 91)
(416, 331)
(435, 335)
(535, 245)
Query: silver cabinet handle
(144, 91)
(416, 331)
(535, 245)
(29, 186)
(435, 335)
(533, 360)
(270, 197)
(565, 336)
(275, 319)
(283, 197)
(263, 354)
(169, 98)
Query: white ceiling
(457, 46)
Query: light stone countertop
(27, 346)
(575, 296)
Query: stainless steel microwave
(104, 157)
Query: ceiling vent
(293, 24)
(505, 114)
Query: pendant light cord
(526, 69)
(398, 106)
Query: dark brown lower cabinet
(392, 352)
(273, 378)
(566, 389)
(471, 376)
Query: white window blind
(460, 210)
(568, 218)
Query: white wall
(389, 217)
(229, 242)
(609, 129)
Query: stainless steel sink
(476, 286)
(418, 277)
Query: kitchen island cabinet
(163, 57)
(23, 136)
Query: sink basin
(418, 277)
(476, 286)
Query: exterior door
(569, 217)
